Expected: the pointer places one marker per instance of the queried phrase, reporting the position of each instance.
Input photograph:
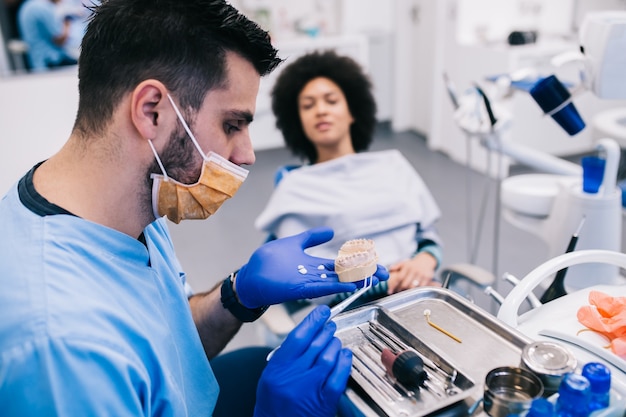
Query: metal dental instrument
(364, 368)
(407, 367)
(439, 382)
(394, 343)
(442, 330)
(367, 284)
(375, 366)
(387, 337)
(374, 342)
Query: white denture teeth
(356, 260)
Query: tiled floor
(210, 250)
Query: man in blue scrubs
(95, 314)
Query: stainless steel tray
(456, 370)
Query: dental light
(602, 40)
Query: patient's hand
(415, 272)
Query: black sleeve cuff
(230, 302)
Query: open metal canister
(550, 362)
(510, 390)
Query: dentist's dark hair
(351, 79)
(182, 43)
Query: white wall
(493, 20)
(358, 16)
(419, 36)
(285, 19)
(37, 113)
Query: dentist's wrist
(231, 302)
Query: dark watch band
(230, 302)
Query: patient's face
(324, 114)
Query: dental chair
(280, 319)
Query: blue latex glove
(280, 271)
(309, 372)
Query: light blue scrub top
(94, 323)
(39, 23)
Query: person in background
(77, 12)
(326, 112)
(95, 314)
(46, 33)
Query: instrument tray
(458, 342)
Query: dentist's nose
(243, 153)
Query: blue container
(599, 377)
(574, 396)
(541, 407)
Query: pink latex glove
(606, 315)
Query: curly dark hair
(343, 71)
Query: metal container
(510, 390)
(550, 362)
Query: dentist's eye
(231, 128)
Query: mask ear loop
(156, 155)
(184, 123)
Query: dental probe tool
(367, 284)
(361, 365)
(447, 333)
(387, 337)
(374, 342)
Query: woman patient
(326, 111)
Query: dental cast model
(356, 260)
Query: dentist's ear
(147, 102)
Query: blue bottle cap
(574, 392)
(599, 377)
(541, 407)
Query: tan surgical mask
(219, 180)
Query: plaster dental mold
(356, 260)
